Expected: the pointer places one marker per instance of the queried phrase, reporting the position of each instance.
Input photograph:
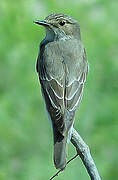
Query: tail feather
(60, 154)
(60, 150)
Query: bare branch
(62, 170)
(84, 153)
(55, 174)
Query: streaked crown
(62, 24)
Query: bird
(62, 67)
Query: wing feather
(62, 89)
(74, 92)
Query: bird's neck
(55, 35)
(50, 35)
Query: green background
(26, 142)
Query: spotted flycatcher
(62, 68)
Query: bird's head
(61, 26)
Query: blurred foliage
(26, 140)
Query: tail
(60, 150)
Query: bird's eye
(62, 23)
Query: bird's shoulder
(50, 60)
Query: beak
(42, 23)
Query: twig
(62, 170)
(72, 158)
(84, 153)
(56, 174)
